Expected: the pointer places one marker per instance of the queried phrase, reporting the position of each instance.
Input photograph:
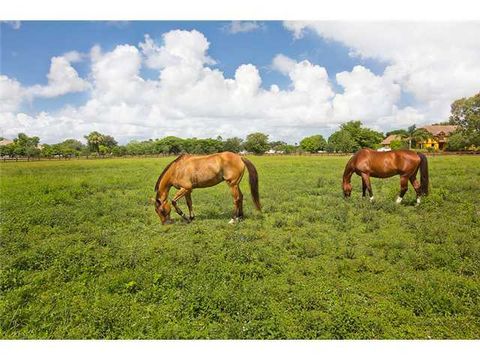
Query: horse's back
(385, 164)
(208, 170)
(369, 153)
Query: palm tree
(415, 136)
(419, 135)
(94, 140)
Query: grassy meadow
(83, 255)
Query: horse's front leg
(180, 193)
(368, 185)
(403, 188)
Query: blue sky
(63, 79)
(26, 52)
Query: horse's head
(347, 189)
(163, 209)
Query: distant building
(272, 151)
(387, 141)
(439, 137)
(5, 142)
(384, 148)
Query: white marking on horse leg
(418, 201)
(399, 200)
(232, 221)
(371, 198)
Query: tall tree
(7, 150)
(233, 144)
(363, 137)
(100, 143)
(256, 143)
(94, 140)
(465, 113)
(341, 141)
(109, 141)
(170, 145)
(457, 141)
(25, 145)
(70, 147)
(313, 143)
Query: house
(387, 141)
(5, 142)
(439, 137)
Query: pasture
(83, 255)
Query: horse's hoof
(372, 199)
(233, 221)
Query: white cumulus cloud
(62, 79)
(191, 97)
(365, 96)
(436, 62)
(11, 94)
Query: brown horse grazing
(370, 163)
(188, 172)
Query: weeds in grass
(83, 255)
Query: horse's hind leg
(367, 184)
(237, 202)
(180, 193)
(403, 188)
(188, 197)
(364, 188)
(416, 186)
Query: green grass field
(83, 255)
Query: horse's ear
(158, 202)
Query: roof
(5, 142)
(438, 129)
(390, 138)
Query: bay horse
(370, 163)
(188, 172)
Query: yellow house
(439, 137)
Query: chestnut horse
(370, 163)
(188, 172)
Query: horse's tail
(423, 174)
(253, 180)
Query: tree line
(352, 136)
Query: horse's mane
(165, 170)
